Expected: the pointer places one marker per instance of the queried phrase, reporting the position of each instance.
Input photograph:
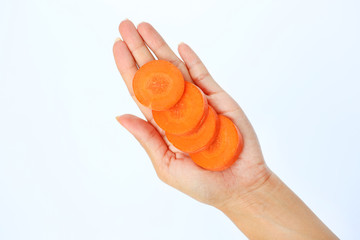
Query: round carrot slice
(225, 149)
(158, 85)
(201, 138)
(187, 115)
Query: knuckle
(201, 76)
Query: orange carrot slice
(158, 85)
(187, 115)
(201, 138)
(225, 149)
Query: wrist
(273, 211)
(253, 199)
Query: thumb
(149, 138)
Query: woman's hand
(254, 198)
(173, 166)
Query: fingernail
(118, 39)
(181, 43)
(137, 26)
(118, 118)
(126, 19)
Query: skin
(248, 192)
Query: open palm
(175, 167)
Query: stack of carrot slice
(181, 109)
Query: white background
(68, 170)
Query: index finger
(127, 68)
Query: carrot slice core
(158, 84)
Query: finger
(127, 68)
(160, 48)
(222, 102)
(218, 98)
(198, 72)
(135, 43)
(151, 141)
(125, 63)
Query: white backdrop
(68, 170)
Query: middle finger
(135, 43)
(161, 49)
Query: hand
(253, 197)
(175, 167)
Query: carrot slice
(201, 138)
(187, 115)
(225, 149)
(158, 85)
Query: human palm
(173, 166)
